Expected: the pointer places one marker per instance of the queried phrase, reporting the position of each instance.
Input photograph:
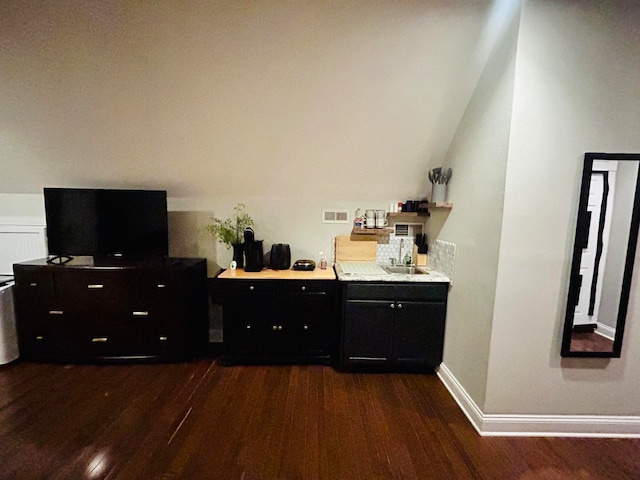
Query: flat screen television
(105, 223)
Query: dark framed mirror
(603, 255)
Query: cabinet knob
(399, 305)
(304, 288)
(248, 327)
(306, 327)
(251, 287)
(162, 339)
(392, 305)
(274, 328)
(279, 327)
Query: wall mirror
(603, 255)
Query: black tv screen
(102, 222)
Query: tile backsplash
(442, 257)
(389, 246)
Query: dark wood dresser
(89, 310)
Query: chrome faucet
(400, 251)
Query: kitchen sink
(405, 270)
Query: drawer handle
(99, 340)
(161, 285)
(399, 305)
(163, 339)
(140, 313)
(248, 327)
(392, 305)
(56, 312)
(95, 286)
(33, 284)
(39, 337)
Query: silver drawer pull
(140, 313)
(56, 312)
(99, 339)
(95, 286)
(161, 285)
(33, 284)
(39, 337)
(162, 339)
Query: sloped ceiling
(345, 100)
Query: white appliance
(8, 336)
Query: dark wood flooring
(590, 342)
(200, 420)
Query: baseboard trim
(602, 426)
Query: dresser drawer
(34, 281)
(92, 285)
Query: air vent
(407, 229)
(335, 216)
(402, 230)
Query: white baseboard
(606, 331)
(613, 426)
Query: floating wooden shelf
(443, 205)
(395, 215)
(372, 232)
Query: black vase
(238, 254)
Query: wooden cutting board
(348, 250)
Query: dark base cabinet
(279, 321)
(393, 326)
(86, 311)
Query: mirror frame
(574, 280)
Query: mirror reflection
(603, 256)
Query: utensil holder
(438, 193)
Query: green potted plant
(230, 231)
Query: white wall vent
(407, 229)
(335, 216)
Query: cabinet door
(248, 318)
(418, 335)
(368, 333)
(309, 311)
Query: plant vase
(238, 254)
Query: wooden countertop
(268, 274)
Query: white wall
(288, 107)
(478, 157)
(576, 90)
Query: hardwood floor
(204, 421)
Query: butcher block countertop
(268, 274)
